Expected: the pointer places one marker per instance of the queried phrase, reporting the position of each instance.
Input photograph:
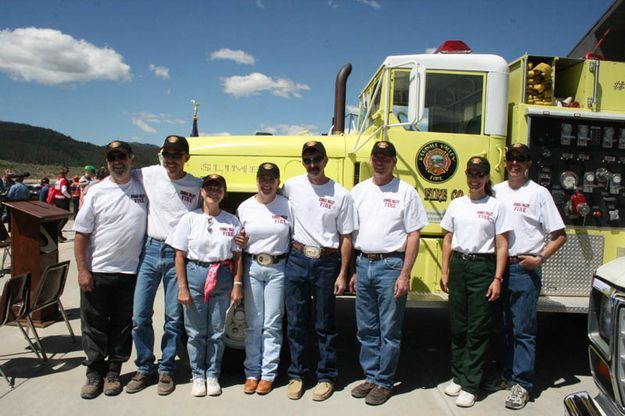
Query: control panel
(582, 163)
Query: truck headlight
(600, 328)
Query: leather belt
(514, 260)
(380, 256)
(265, 259)
(314, 252)
(474, 256)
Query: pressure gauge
(589, 176)
(568, 180)
(617, 178)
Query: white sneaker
(212, 387)
(452, 389)
(198, 387)
(465, 399)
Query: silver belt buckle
(312, 252)
(264, 259)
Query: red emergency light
(453, 46)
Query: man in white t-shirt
(388, 215)
(534, 216)
(110, 228)
(172, 193)
(317, 266)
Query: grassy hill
(42, 151)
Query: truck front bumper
(581, 404)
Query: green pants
(470, 315)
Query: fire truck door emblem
(436, 162)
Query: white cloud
(238, 56)
(430, 50)
(51, 57)
(255, 83)
(289, 129)
(260, 4)
(371, 3)
(159, 71)
(146, 121)
(352, 109)
(219, 133)
(333, 4)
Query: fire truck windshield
(453, 102)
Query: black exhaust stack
(340, 88)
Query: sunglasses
(210, 225)
(475, 175)
(518, 158)
(309, 160)
(113, 156)
(175, 156)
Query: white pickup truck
(606, 350)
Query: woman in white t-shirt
(266, 220)
(208, 268)
(475, 250)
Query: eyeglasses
(113, 156)
(169, 155)
(309, 160)
(210, 224)
(475, 174)
(518, 158)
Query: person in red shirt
(74, 191)
(62, 198)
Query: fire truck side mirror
(416, 94)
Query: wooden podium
(34, 245)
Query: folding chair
(48, 292)
(5, 244)
(15, 305)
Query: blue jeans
(379, 317)
(305, 277)
(521, 291)
(157, 263)
(264, 308)
(205, 322)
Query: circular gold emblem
(436, 162)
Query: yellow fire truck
(440, 109)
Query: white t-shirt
(206, 238)
(268, 226)
(532, 213)
(169, 200)
(320, 212)
(475, 224)
(115, 215)
(384, 215)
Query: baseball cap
(120, 146)
(479, 164)
(519, 150)
(269, 169)
(90, 168)
(318, 146)
(386, 148)
(215, 178)
(176, 142)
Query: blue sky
(104, 69)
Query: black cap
(479, 164)
(318, 146)
(519, 150)
(269, 169)
(176, 142)
(215, 178)
(386, 148)
(118, 145)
